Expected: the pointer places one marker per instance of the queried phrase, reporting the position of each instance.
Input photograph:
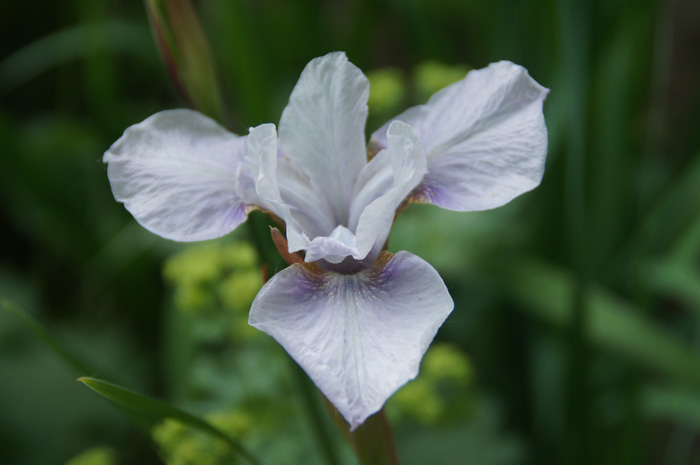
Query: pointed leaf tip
(35, 327)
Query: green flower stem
(374, 442)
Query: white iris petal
(484, 137)
(177, 172)
(323, 128)
(360, 337)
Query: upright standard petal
(360, 336)
(265, 191)
(378, 196)
(262, 162)
(322, 129)
(274, 183)
(484, 137)
(176, 172)
(381, 187)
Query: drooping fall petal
(359, 336)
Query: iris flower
(356, 318)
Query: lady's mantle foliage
(357, 319)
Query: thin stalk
(373, 441)
(575, 32)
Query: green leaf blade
(155, 410)
(544, 291)
(34, 326)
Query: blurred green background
(576, 333)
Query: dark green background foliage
(576, 333)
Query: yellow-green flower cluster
(431, 76)
(214, 266)
(216, 275)
(440, 392)
(94, 456)
(182, 445)
(389, 87)
(387, 90)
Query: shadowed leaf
(614, 324)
